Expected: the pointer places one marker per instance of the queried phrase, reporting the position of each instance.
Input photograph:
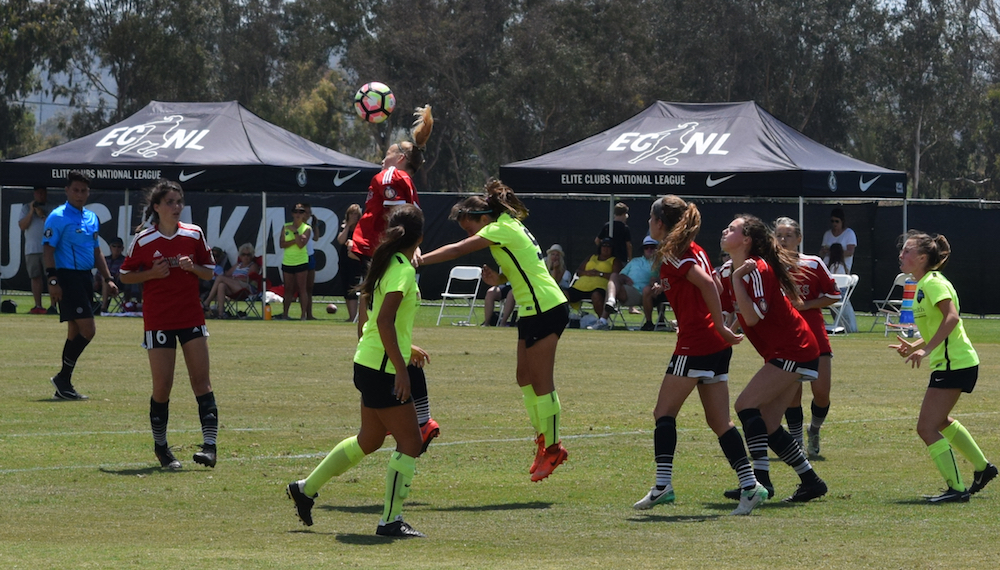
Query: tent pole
(906, 222)
(802, 218)
(611, 216)
(263, 256)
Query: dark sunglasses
(649, 247)
(299, 211)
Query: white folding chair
(846, 284)
(457, 294)
(887, 309)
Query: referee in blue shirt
(71, 252)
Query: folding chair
(846, 284)
(461, 280)
(249, 298)
(888, 308)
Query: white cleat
(749, 499)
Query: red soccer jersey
(781, 331)
(172, 302)
(391, 187)
(815, 282)
(696, 334)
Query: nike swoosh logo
(338, 180)
(715, 182)
(866, 185)
(182, 177)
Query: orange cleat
(429, 431)
(540, 442)
(553, 457)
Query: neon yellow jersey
(522, 262)
(294, 255)
(591, 282)
(956, 352)
(399, 277)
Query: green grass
(81, 488)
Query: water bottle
(267, 311)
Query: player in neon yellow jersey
(493, 220)
(953, 361)
(381, 375)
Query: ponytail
(934, 246)
(764, 245)
(683, 221)
(154, 195)
(421, 131)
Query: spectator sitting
(592, 282)
(494, 294)
(555, 262)
(204, 287)
(236, 281)
(114, 262)
(636, 276)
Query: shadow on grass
(534, 505)
(674, 518)
(141, 471)
(366, 539)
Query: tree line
(906, 84)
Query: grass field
(82, 489)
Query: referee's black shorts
(77, 294)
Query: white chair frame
(846, 284)
(451, 299)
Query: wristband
(50, 272)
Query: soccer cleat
(166, 457)
(807, 492)
(303, 503)
(648, 326)
(982, 478)
(65, 390)
(813, 445)
(750, 498)
(539, 453)
(655, 497)
(949, 496)
(206, 456)
(737, 493)
(398, 529)
(554, 456)
(429, 431)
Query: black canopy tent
(703, 149)
(201, 145)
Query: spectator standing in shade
(621, 248)
(71, 252)
(32, 223)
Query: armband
(50, 272)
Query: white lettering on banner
(327, 244)
(13, 244)
(666, 146)
(144, 141)
(226, 237)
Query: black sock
(818, 416)
(72, 350)
(209, 415)
(755, 432)
(418, 391)
(789, 451)
(664, 446)
(159, 415)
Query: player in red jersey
(817, 290)
(169, 258)
(759, 284)
(393, 187)
(701, 356)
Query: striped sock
(159, 415)
(664, 446)
(209, 415)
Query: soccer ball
(374, 102)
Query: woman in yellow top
(295, 236)
(593, 281)
(493, 220)
(953, 361)
(380, 374)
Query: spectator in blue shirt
(71, 251)
(637, 275)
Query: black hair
(764, 245)
(77, 176)
(404, 230)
